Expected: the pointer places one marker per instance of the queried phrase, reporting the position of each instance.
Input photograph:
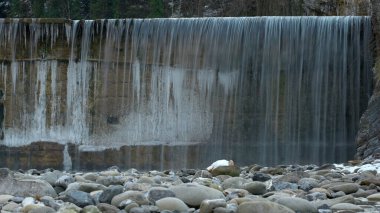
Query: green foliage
(116, 7)
(4, 8)
(20, 9)
(101, 9)
(14, 8)
(74, 10)
(120, 8)
(156, 8)
(82, 9)
(38, 8)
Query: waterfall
(260, 89)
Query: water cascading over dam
(263, 90)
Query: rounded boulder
(194, 194)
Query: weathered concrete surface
(42, 155)
(38, 155)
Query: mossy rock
(232, 171)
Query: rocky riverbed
(353, 187)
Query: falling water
(266, 89)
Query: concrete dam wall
(172, 93)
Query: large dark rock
(280, 185)
(79, 198)
(368, 137)
(307, 184)
(107, 195)
(259, 176)
(157, 193)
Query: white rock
(268, 184)
(219, 163)
(28, 201)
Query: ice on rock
(374, 166)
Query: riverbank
(353, 187)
